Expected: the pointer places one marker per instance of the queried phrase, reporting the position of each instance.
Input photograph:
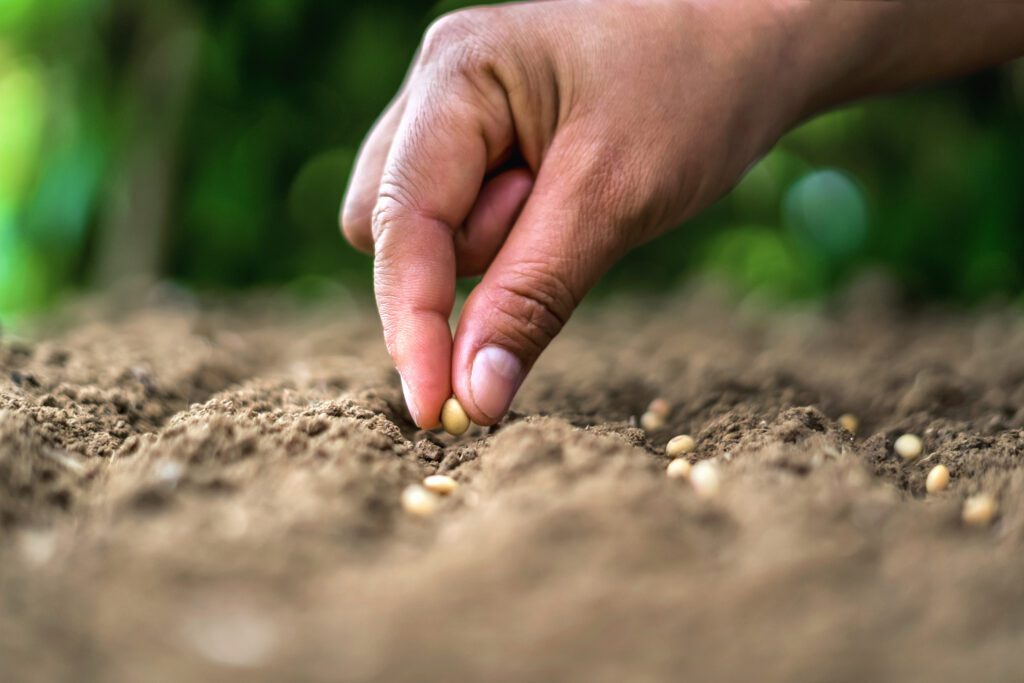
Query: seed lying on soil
(938, 479)
(678, 445)
(440, 484)
(454, 418)
(704, 478)
(651, 421)
(849, 422)
(979, 510)
(908, 446)
(660, 407)
(679, 468)
(418, 501)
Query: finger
(361, 194)
(430, 183)
(490, 220)
(559, 247)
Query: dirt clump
(216, 494)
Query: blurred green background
(208, 143)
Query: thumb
(562, 243)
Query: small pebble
(679, 468)
(678, 445)
(908, 446)
(440, 484)
(660, 407)
(979, 510)
(849, 422)
(938, 479)
(454, 418)
(651, 421)
(704, 478)
(418, 501)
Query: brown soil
(214, 495)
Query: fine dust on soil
(214, 494)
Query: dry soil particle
(217, 495)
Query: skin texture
(536, 143)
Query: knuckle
(400, 200)
(459, 39)
(385, 213)
(449, 29)
(537, 302)
(394, 199)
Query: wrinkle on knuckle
(462, 33)
(384, 215)
(538, 302)
(395, 197)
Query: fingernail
(409, 402)
(494, 380)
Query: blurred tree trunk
(156, 89)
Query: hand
(626, 117)
(536, 143)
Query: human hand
(536, 143)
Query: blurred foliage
(278, 94)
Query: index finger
(430, 182)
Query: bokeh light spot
(826, 212)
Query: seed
(660, 407)
(454, 418)
(678, 445)
(651, 421)
(419, 502)
(440, 484)
(849, 422)
(979, 510)
(938, 479)
(704, 478)
(908, 446)
(679, 468)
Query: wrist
(835, 51)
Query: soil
(212, 493)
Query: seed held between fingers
(908, 446)
(680, 445)
(938, 479)
(440, 484)
(704, 479)
(454, 418)
(418, 501)
(979, 510)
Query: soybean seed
(849, 422)
(418, 501)
(679, 468)
(908, 446)
(660, 407)
(938, 479)
(440, 484)
(704, 479)
(651, 421)
(454, 418)
(979, 510)
(678, 445)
